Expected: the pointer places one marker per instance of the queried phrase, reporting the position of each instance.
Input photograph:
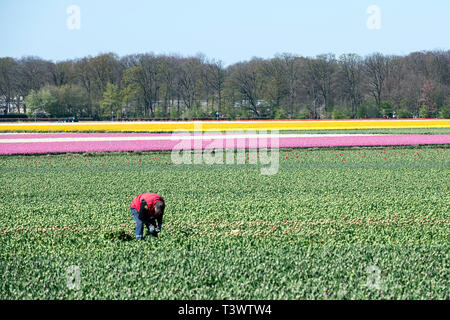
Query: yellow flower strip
(224, 125)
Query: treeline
(286, 86)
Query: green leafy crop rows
(309, 232)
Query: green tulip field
(333, 223)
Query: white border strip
(178, 137)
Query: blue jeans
(140, 225)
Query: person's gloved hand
(152, 231)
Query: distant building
(14, 106)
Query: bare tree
(377, 68)
(84, 74)
(62, 73)
(105, 69)
(8, 81)
(145, 77)
(33, 74)
(168, 73)
(291, 70)
(320, 75)
(215, 77)
(248, 80)
(351, 75)
(426, 97)
(189, 73)
(275, 85)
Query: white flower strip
(178, 137)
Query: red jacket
(150, 198)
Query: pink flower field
(30, 143)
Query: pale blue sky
(230, 30)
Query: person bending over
(147, 209)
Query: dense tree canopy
(285, 86)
